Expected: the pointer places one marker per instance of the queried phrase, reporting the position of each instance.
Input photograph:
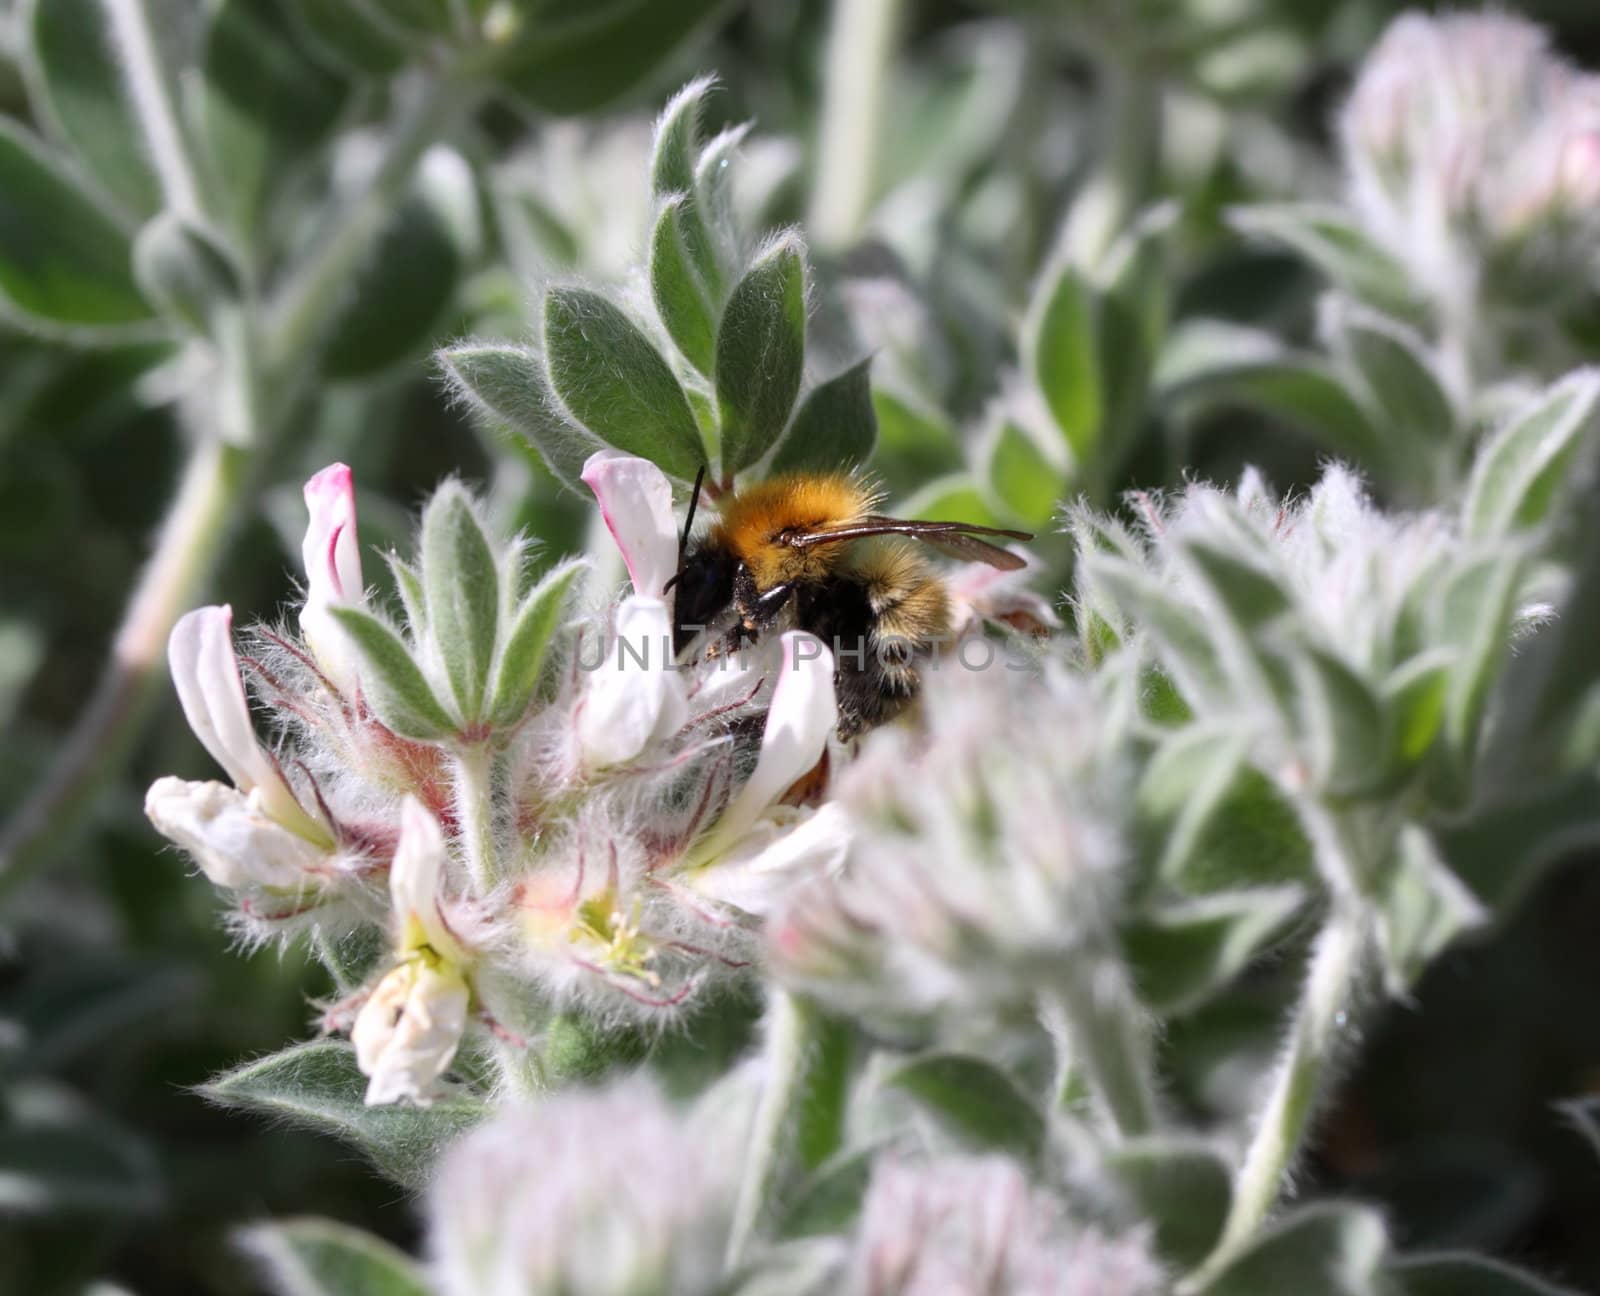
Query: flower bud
(332, 557)
(975, 1224)
(636, 502)
(590, 1194)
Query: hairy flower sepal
(407, 1032)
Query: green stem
(193, 534)
(1108, 1042)
(308, 302)
(795, 1037)
(146, 87)
(861, 43)
(1128, 165)
(472, 774)
(1313, 1043)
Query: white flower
(635, 696)
(636, 502)
(206, 675)
(759, 848)
(408, 1030)
(332, 557)
(974, 1226)
(595, 1194)
(979, 592)
(234, 842)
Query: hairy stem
(472, 776)
(147, 94)
(194, 534)
(311, 296)
(798, 1112)
(1108, 1041)
(1313, 1043)
(189, 539)
(860, 47)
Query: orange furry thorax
(751, 520)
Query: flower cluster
(1467, 141)
(1006, 785)
(542, 807)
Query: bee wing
(955, 539)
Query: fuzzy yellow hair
(750, 522)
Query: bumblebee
(806, 550)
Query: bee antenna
(688, 524)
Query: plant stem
(309, 300)
(147, 93)
(1108, 1041)
(193, 536)
(1126, 171)
(472, 774)
(189, 540)
(861, 44)
(1313, 1042)
(791, 1033)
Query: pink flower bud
(332, 557)
(636, 503)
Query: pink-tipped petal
(636, 502)
(332, 556)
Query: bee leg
(758, 609)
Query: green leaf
(57, 1154)
(673, 164)
(1026, 483)
(761, 351)
(76, 87)
(977, 1102)
(461, 584)
(267, 104)
(1450, 1274)
(62, 260)
(1324, 1250)
(392, 683)
(1183, 953)
(1474, 619)
(834, 428)
(591, 60)
(400, 297)
(318, 1257)
(1062, 346)
(615, 382)
(952, 498)
(1423, 907)
(1181, 635)
(1248, 592)
(914, 443)
(1329, 238)
(1394, 366)
(520, 669)
(343, 32)
(417, 17)
(1521, 469)
(1345, 723)
(681, 297)
(507, 387)
(1218, 369)
(828, 1200)
(351, 957)
(1180, 1186)
(318, 1085)
(408, 584)
(1414, 698)
(183, 270)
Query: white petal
(206, 675)
(332, 557)
(636, 503)
(979, 592)
(235, 843)
(416, 878)
(635, 695)
(800, 718)
(786, 847)
(407, 1033)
